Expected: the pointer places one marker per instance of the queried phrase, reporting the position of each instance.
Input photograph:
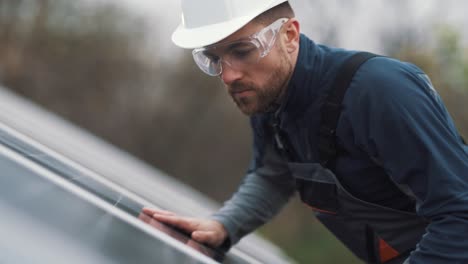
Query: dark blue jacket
(396, 141)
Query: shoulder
(387, 93)
(384, 81)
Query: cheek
(262, 73)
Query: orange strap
(386, 251)
(320, 210)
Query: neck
(292, 62)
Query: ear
(292, 35)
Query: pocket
(316, 186)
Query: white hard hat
(205, 22)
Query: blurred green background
(105, 67)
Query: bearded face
(261, 89)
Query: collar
(303, 88)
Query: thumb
(208, 237)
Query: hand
(205, 231)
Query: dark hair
(277, 12)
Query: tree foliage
(446, 63)
(84, 61)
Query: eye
(211, 57)
(242, 52)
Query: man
(396, 188)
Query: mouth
(242, 93)
(239, 89)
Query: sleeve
(400, 120)
(263, 192)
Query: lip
(242, 92)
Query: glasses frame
(261, 39)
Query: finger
(152, 211)
(187, 224)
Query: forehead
(243, 32)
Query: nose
(229, 74)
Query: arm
(264, 191)
(399, 119)
(266, 188)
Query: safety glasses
(238, 54)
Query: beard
(267, 97)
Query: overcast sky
(360, 25)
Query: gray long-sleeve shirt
(261, 195)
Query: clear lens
(242, 54)
(267, 36)
(239, 54)
(208, 64)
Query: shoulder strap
(331, 109)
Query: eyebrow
(210, 54)
(228, 48)
(236, 45)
